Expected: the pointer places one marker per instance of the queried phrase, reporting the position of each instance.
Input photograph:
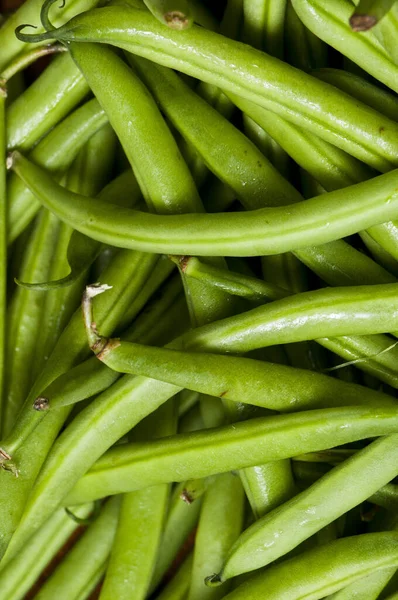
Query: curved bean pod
(56, 152)
(245, 71)
(331, 567)
(331, 23)
(265, 231)
(236, 446)
(45, 103)
(271, 537)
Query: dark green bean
(265, 231)
(244, 71)
(204, 453)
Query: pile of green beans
(199, 300)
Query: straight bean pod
(265, 231)
(337, 492)
(3, 249)
(240, 69)
(322, 570)
(244, 444)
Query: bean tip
(176, 19)
(11, 158)
(41, 404)
(95, 289)
(213, 580)
(362, 22)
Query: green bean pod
(363, 90)
(19, 576)
(24, 317)
(82, 568)
(45, 103)
(331, 24)
(259, 232)
(152, 163)
(366, 588)
(55, 152)
(204, 453)
(271, 537)
(386, 32)
(322, 570)
(220, 523)
(175, 14)
(245, 71)
(304, 50)
(242, 166)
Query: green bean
(363, 90)
(28, 58)
(24, 318)
(220, 524)
(56, 152)
(331, 24)
(322, 570)
(178, 587)
(175, 14)
(150, 167)
(379, 254)
(272, 486)
(181, 520)
(140, 525)
(204, 453)
(368, 13)
(19, 576)
(29, 12)
(242, 167)
(244, 71)
(386, 32)
(85, 563)
(264, 231)
(305, 514)
(3, 251)
(273, 386)
(45, 103)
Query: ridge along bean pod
(19, 576)
(272, 536)
(82, 251)
(242, 70)
(3, 251)
(242, 167)
(141, 520)
(176, 14)
(82, 568)
(322, 570)
(178, 587)
(29, 12)
(331, 24)
(368, 13)
(24, 316)
(55, 152)
(236, 446)
(45, 103)
(220, 523)
(180, 522)
(359, 88)
(227, 376)
(259, 232)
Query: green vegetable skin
(219, 469)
